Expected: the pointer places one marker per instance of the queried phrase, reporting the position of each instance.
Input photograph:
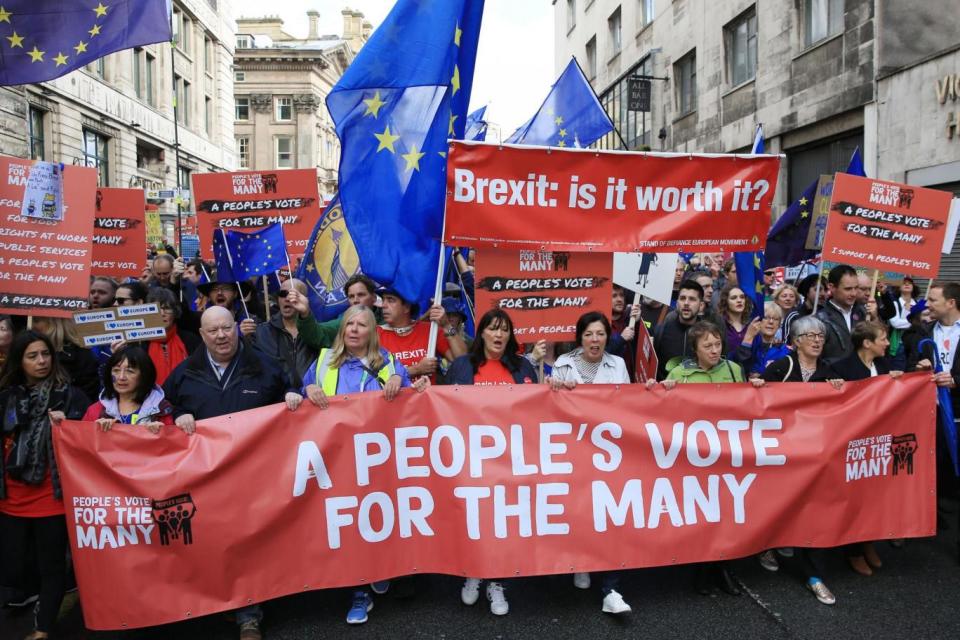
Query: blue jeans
(253, 613)
(609, 582)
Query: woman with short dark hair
(130, 393)
(35, 393)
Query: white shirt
(873, 370)
(847, 315)
(900, 321)
(946, 338)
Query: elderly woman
(357, 363)
(735, 308)
(493, 360)
(35, 392)
(760, 346)
(590, 363)
(787, 298)
(130, 393)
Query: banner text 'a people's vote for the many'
(580, 200)
(481, 482)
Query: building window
(177, 23)
(241, 109)
(741, 41)
(186, 34)
(616, 39)
(150, 67)
(646, 11)
(243, 152)
(208, 115)
(208, 55)
(822, 19)
(183, 174)
(633, 126)
(685, 74)
(571, 15)
(186, 103)
(36, 133)
(138, 73)
(95, 155)
(244, 42)
(239, 76)
(100, 68)
(283, 109)
(592, 58)
(284, 152)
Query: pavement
(915, 595)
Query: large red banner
(487, 483)
(545, 292)
(581, 199)
(120, 233)
(45, 263)
(252, 200)
(886, 225)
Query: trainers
(250, 631)
(768, 561)
(470, 592)
(820, 590)
(581, 580)
(362, 603)
(21, 601)
(786, 552)
(613, 603)
(498, 600)
(380, 587)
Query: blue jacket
(251, 382)
(462, 371)
(352, 378)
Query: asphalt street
(915, 595)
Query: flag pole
(617, 131)
(286, 253)
(176, 139)
(438, 288)
(266, 297)
(816, 299)
(226, 247)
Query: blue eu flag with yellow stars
(44, 39)
(476, 126)
(571, 116)
(402, 97)
(241, 255)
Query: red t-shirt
(492, 372)
(29, 500)
(412, 348)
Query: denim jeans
(253, 613)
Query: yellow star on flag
(804, 214)
(558, 120)
(563, 133)
(756, 259)
(386, 140)
(36, 54)
(413, 158)
(95, 31)
(562, 143)
(16, 40)
(81, 47)
(373, 105)
(442, 154)
(5, 15)
(455, 81)
(100, 10)
(453, 119)
(456, 35)
(803, 201)
(61, 59)
(310, 268)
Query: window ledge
(738, 87)
(684, 116)
(614, 57)
(817, 45)
(643, 28)
(571, 29)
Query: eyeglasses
(122, 301)
(813, 336)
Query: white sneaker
(613, 603)
(581, 580)
(470, 592)
(498, 600)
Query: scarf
(167, 353)
(32, 451)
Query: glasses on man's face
(121, 300)
(816, 337)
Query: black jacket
(461, 371)
(839, 343)
(787, 369)
(852, 368)
(251, 381)
(82, 367)
(290, 354)
(670, 341)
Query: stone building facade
(281, 84)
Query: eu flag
(248, 255)
(476, 126)
(331, 259)
(404, 94)
(788, 236)
(571, 116)
(44, 39)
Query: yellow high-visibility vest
(328, 378)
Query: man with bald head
(279, 339)
(225, 376)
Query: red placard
(647, 361)
(545, 292)
(886, 225)
(486, 482)
(120, 233)
(45, 264)
(252, 200)
(579, 200)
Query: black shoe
(21, 601)
(726, 583)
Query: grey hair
(772, 308)
(806, 324)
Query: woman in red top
(130, 393)
(34, 391)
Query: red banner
(545, 292)
(252, 200)
(886, 225)
(487, 483)
(582, 199)
(120, 233)
(45, 264)
(646, 360)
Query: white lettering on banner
(112, 522)
(871, 457)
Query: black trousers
(46, 539)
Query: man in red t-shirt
(407, 339)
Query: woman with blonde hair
(787, 298)
(79, 362)
(354, 364)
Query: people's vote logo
(334, 259)
(174, 518)
(903, 449)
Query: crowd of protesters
(226, 349)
